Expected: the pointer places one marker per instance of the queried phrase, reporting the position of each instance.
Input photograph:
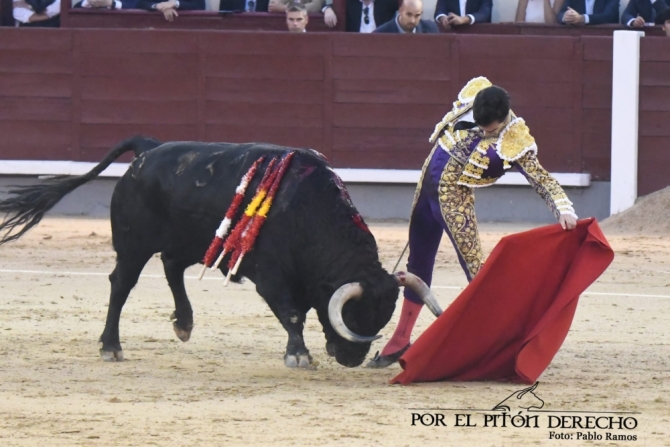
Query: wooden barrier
(654, 122)
(369, 105)
(365, 101)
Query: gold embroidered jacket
(485, 159)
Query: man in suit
(169, 8)
(450, 13)
(363, 16)
(640, 13)
(408, 20)
(296, 18)
(107, 4)
(589, 12)
(311, 6)
(244, 5)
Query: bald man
(408, 20)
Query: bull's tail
(29, 203)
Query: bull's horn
(419, 287)
(337, 301)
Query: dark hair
(296, 7)
(663, 17)
(491, 104)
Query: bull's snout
(349, 355)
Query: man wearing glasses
(363, 16)
(474, 145)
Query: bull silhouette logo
(523, 399)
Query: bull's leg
(292, 318)
(183, 315)
(123, 279)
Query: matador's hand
(567, 221)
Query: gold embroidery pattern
(515, 140)
(479, 160)
(417, 191)
(459, 143)
(545, 185)
(457, 204)
(476, 165)
(474, 86)
(458, 111)
(473, 171)
(465, 99)
(475, 182)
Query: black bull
(312, 252)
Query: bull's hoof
(111, 356)
(183, 334)
(299, 361)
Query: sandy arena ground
(228, 385)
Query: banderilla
(401, 255)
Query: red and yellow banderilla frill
(251, 230)
(222, 231)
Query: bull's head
(368, 311)
(525, 399)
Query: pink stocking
(401, 336)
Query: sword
(401, 255)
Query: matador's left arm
(545, 185)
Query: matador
(475, 144)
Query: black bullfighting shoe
(382, 361)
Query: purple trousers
(427, 225)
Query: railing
(263, 21)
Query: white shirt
(117, 3)
(469, 117)
(23, 15)
(535, 11)
(462, 4)
(370, 27)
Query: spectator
(408, 20)
(362, 16)
(296, 18)
(244, 5)
(538, 11)
(37, 13)
(450, 13)
(107, 4)
(169, 8)
(311, 6)
(664, 19)
(589, 12)
(640, 13)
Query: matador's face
(493, 129)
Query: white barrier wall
(625, 112)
